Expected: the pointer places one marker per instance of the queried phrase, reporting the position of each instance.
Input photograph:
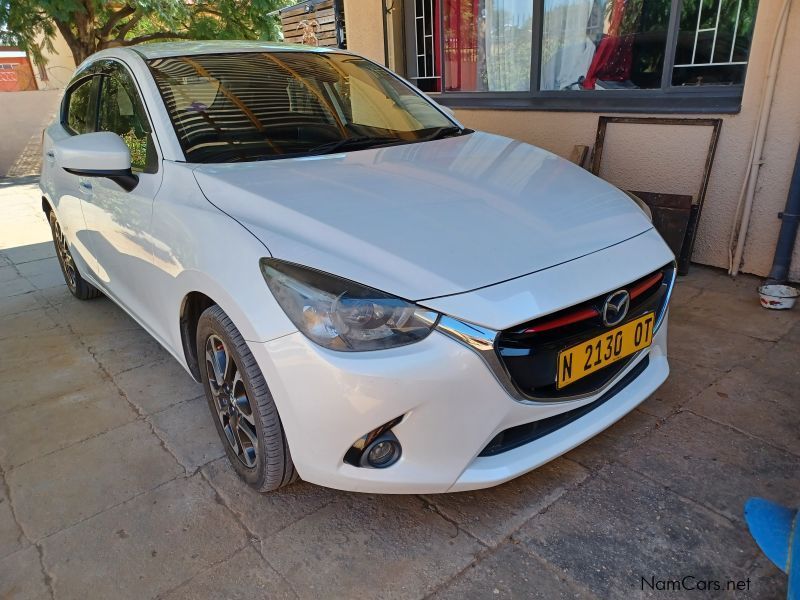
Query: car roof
(188, 48)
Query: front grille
(517, 436)
(529, 352)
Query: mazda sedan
(374, 297)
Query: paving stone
(30, 323)
(683, 293)
(67, 368)
(189, 432)
(143, 547)
(8, 273)
(779, 368)
(124, 350)
(370, 546)
(43, 273)
(11, 538)
(689, 452)
(606, 447)
(14, 305)
(266, 514)
(60, 422)
(244, 576)
(793, 335)
(619, 527)
(156, 386)
(723, 311)
(21, 576)
(767, 582)
(15, 287)
(717, 280)
(99, 321)
(705, 346)
(30, 252)
(58, 490)
(55, 296)
(511, 572)
(492, 515)
(745, 401)
(685, 381)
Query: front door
(119, 222)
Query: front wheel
(241, 404)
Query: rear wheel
(241, 404)
(78, 286)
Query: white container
(778, 297)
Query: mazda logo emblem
(615, 308)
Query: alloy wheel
(230, 399)
(65, 257)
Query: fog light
(382, 453)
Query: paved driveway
(114, 485)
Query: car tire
(241, 404)
(77, 285)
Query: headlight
(642, 204)
(343, 315)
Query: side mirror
(100, 154)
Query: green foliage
(91, 25)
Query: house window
(640, 55)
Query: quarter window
(78, 109)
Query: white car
(374, 297)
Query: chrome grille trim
(482, 341)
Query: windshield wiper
(352, 143)
(445, 132)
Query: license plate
(592, 355)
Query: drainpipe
(790, 219)
(384, 16)
(748, 191)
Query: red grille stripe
(641, 288)
(589, 313)
(569, 319)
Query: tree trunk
(81, 40)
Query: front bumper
(452, 407)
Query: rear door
(77, 116)
(119, 222)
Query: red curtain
(613, 57)
(461, 18)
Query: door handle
(51, 154)
(86, 186)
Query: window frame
(107, 67)
(708, 99)
(95, 72)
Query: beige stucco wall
(654, 154)
(59, 67)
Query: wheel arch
(47, 208)
(192, 306)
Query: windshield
(263, 105)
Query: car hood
(428, 219)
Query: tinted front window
(79, 108)
(121, 112)
(255, 106)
